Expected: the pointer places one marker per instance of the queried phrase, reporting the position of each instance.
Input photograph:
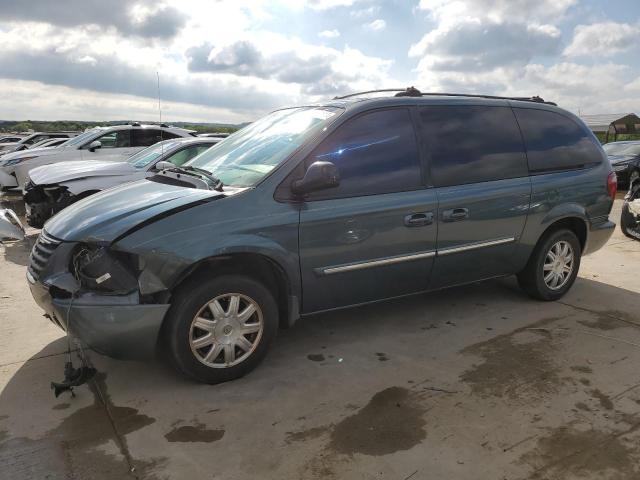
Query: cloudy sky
(234, 60)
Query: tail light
(612, 185)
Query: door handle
(419, 219)
(455, 214)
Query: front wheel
(553, 266)
(220, 329)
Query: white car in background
(32, 139)
(115, 143)
(53, 187)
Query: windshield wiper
(188, 169)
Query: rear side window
(145, 137)
(555, 142)
(375, 153)
(471, 144)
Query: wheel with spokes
(553, 266)
(220, 329)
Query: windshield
(152, 153)
(82, 137)
(622, 148)
(248, 155)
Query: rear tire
(553, 265)
(204, 332)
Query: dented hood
(68, 171)
(105, 216)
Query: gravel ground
(469, 383)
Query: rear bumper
(110, 324)
(599, 234)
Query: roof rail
(135, 124)
(414, 92)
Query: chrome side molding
(473, 246)
(376, 263)
(349, 267)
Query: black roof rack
(414, 92)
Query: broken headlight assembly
(98, 269)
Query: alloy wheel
(226, 330)
(558, 265)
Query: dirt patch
(603, 322)
(194, 433)
(582, 369)
(304, 435)
(392, 421)
(316, 357)
(513, 368)
(604, 400)
(569, 453)
(583, 406)
(585, 381)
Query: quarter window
(471, 144)
(145, 137)
(555, 142)
(375, 153)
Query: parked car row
(101, 143)
(23, 143)
(306, 210)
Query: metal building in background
(612, 124)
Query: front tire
(220, 329)
(553, 266)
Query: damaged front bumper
(44, 201)
(119, 325)
(115, 326)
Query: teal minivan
(323, 207)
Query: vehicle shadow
(308, 368)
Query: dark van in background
(324, 207)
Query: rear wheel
(220, 329)
(553, 266)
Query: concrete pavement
(473, 382)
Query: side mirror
(93, 146)
(319, 176)
(163, 165)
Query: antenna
(160, 115)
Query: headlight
(98, 268)
(15, 161)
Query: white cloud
(377, 25)
(329, 34)
(533, 11)
(606, 38)
(329, 4)
(365, 12)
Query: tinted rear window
(471, 144)
(375, 153)
(555, 142)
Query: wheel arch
(258, 266)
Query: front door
(478, 165)
(373, 236)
